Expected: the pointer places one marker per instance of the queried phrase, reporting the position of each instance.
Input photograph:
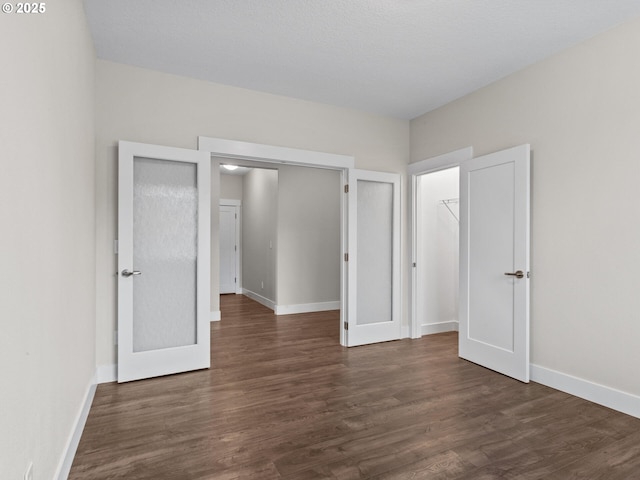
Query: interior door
(163, 260)
(228, 249)
(374, 258)
(494, 261)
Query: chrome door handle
(517, 274)
(127, 273)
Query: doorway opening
(284, 222)
(435, 216)
(437, 251)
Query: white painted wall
(296, 210)
(308, 236)
(580, 111)
(47, 246)
(146, 106)
(437, 253)
(259, 233)
(231, 186)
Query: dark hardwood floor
(283, 400)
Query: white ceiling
(399, 58)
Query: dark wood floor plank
(283, 400)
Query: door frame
(237, 204)
(414, 170)
(220, 148)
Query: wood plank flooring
(283, 400)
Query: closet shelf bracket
(448, 201)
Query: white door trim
(429, 165)
(219, 147)
(238, 204)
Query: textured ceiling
(394, 57)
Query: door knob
(127, 273)
(517, 274)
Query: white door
(163, 260)
(494, 261)
(228, 249)
(373, 310)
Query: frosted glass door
(163, 259)
(374, 231)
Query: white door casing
(270, 154)
(494, 243)
(374, 257)
(154, 350)
(228, 249)
(415, 170)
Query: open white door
(374, 257)
(494, 261)
(163, 260)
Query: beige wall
(308, 235)
(259, 232)
(291, 235)
(146, 106)
(580, 111)
(231, 187)
(47, 248)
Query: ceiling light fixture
(230, 167)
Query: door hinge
(346, 325)
(346, 188)
(235, 248)
(115, 247)
(236, 216)
(235, 279)
(415, 264)
(346, 257)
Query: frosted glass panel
(375, 248)
(165, 210)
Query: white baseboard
(69, 452)
(609, 397)
(215, 316)
(307, 307)
(259, 298)
(106, 373)
(440, 327)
